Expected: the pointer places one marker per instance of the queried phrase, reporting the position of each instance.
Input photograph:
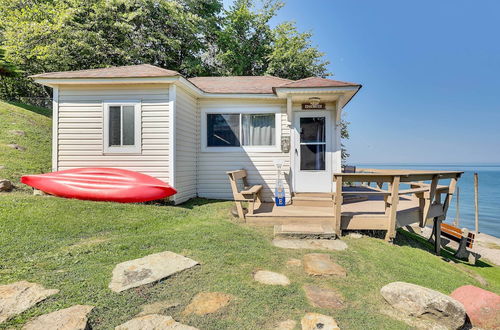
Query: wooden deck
(409, 197)
(368, 214)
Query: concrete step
(304, 230)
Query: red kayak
(101, 184)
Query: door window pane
(259, 130)
(312, 129)
(128, 125)
(114, 125)
(223, 130)
(312, 157)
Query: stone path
(207, 302)
(17, 297)
(315, 321)
(286, 325)
(323, 297)
(154, 322)
(294, 262)
(271, 278)
(320, 264)
(311, 244)
(72, 318)
(152, 268)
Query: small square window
(122, 128)
(223, 130)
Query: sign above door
(311, 106)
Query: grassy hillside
(74, 245)
(30, 128)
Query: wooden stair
(313, 199)
(305, 230)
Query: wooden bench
(463, 237)
(250, 194)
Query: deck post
(392, 209)
(449, 196)
(338, 205)
(429, 198)
(437, 236)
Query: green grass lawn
(35, 122)
(74, 245)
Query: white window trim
(137, 147)
(241, 110)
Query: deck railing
(434, 199)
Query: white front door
(312, 151)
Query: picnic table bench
(250, 194)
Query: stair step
(312, 199)
(304, 230)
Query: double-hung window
(234, 131)
(122, 127)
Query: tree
(7, 70)
(292, 56)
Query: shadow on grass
(190, 204)
(39, 110)
(405, 238)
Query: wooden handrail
(429, 194)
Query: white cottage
(190, 132)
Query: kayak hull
(101, 184)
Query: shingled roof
(215, 85)
(129, 71)
(316, 82)
(239, 84)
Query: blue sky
(430, 72)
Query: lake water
(489, 194)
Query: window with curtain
(122, 129)
(235, 130)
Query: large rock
(6, 185)
(270, 278)
(72, 318)
(315, 321)
(417, 301)
(154, 267)
(311, 244)
(154, 322)
(320, 264)
(323, 297)
(482, 306)
(17, 297)
(207, 302)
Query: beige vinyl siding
(186, 145)
(80, 132)
(212, 166)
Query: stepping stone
(154, 322)
(151, 268)
(270, 278)
(311, 244)
(16, 132)
(286, 325)
(157, 307)
(17, 297)
(16, 146)
(305, 231)
(294, 262)
(207, 302)
(72, 318)
(315, 321)
(420, 302)
(323, 297)
(320, 264)
(6, 185)
(482, 306)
